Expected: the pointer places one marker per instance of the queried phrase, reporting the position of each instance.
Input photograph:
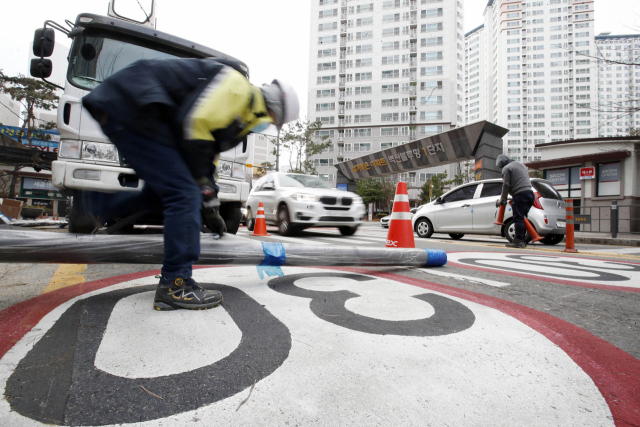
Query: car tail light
(536, 202)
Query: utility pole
(278, 151)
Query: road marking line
(488, 282)
(66, 275)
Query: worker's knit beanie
(274, 101)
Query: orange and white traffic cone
(260, 229)
(400, 230)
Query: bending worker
(169, 119)
(515, 181)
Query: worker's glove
(214, 221)
(209, 192)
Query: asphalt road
(496, 337)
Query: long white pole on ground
(58, 248)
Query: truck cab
(87, 161)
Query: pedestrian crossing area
(323, 236)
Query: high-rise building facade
(383, 73)
(618, 83)
(540, 79)
(475, 97)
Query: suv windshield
(95, 57)
(291, 180)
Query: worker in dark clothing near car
(515, 181)
(169, 119)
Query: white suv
(471, 209)
(294, 202)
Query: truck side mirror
(44, 40)
(41, 68)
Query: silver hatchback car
(471, 209)
(294, 202)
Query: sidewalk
(623, 239)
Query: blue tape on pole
(274, 257)
(437, 258)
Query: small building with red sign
(595, 172)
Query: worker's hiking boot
(184, 293)
(517, 244)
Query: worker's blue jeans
(169, 186)
(521, 204)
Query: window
(391, 74)
(364, 76)
(464, 193)
(327, 39)
(491, 189)
(390, 46)
(431, 115)
(390, 32)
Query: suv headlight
(100, 151)
(226, 168)
(357, 200)
(301, 197)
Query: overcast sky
(271, 36)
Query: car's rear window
(546, 190)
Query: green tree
(370, 190)
(299, 138)
(433, 188)
(32, 94)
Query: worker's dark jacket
(201, 106)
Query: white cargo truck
(101, 46)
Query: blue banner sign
(45, 140)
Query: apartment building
(383, 73)
(540, 79)
(618, 84)
(475, 97)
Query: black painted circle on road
(58, 383)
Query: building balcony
(413, 48)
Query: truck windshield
(96, 57)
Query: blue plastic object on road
(274, 257)
(437, 258)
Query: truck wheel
(78, 223)
(232, 216)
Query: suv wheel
(348, 231)
(424, 228)
(510, 232)
(251, 222)
(285, 228)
